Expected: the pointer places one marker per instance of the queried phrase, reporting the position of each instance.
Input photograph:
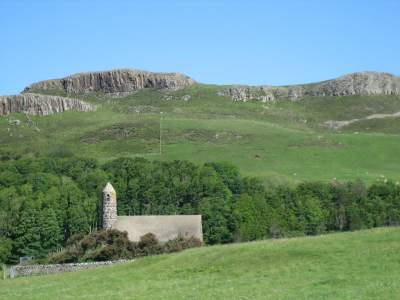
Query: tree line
(46, 200)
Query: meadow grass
(353, 265)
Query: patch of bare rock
(361, 83)
(169, 97)
(43, 105)
(114, 82)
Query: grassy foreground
(358, 265)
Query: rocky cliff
(35, 104)
(362, 83)
(117, 82)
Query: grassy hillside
(357, 265)
(283, 141)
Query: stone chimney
(109, 206)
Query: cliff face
(117, 82)
(363, 84)
(43, 105)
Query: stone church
(163, 227)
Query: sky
(223, 42)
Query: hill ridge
(364, 83)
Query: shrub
(88, 242)
(103, 253)
(105, 245)
(62, 257)
(149, 245)
(181, 243)
(74, 239)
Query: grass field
(357, 265)
(283, 141)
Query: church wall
(164, 227)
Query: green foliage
(313, 216)
(51, 235)
(5, 250)
(229, 174)
(253, 217)
(44, 202)
(217, 220)
(26, 236)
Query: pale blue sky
(252, 42)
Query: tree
(50, 231)
(74, 218)
(229, 174)
(313, 215)
(26, 236)
(5, 249)
(252, 217)
(217, 220)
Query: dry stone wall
(31, 270)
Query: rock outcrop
(263, 93)
(247, 93)
(35, 104)
(115, 82)
(363, 84)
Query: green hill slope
(280, 141)
(357, 265)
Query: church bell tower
(109, 206)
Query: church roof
(109, 188)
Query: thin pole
(161, 132)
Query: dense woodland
(44, 201)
